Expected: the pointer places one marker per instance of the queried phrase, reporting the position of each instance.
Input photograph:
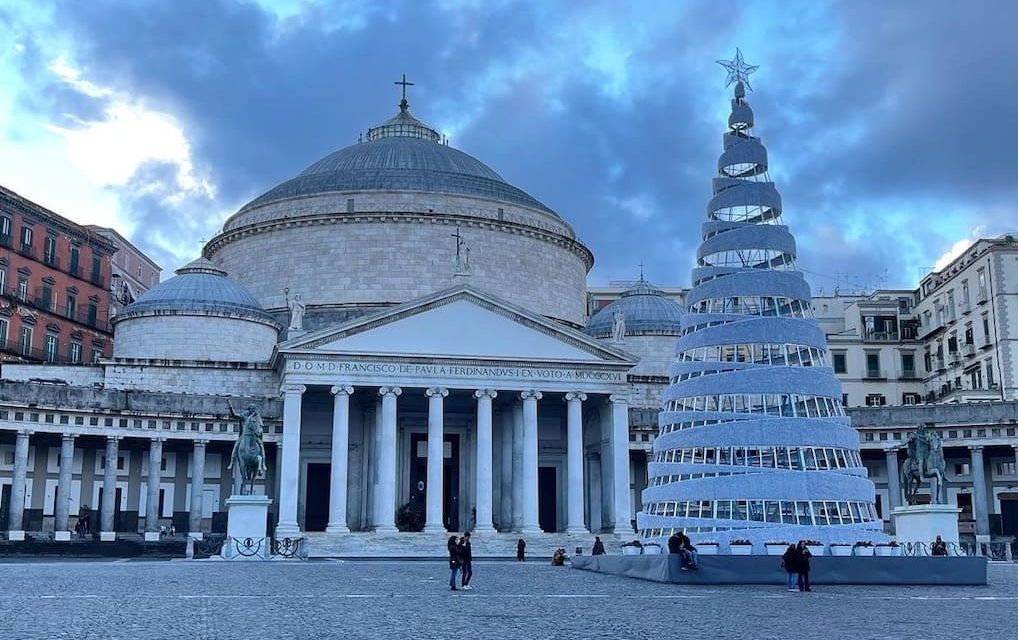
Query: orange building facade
(54, 286)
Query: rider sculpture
(248, 458)
(925, 462)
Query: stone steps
(433, 545)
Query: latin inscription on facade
(452, 371)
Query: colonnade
(518, 460)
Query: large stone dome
(398, 216)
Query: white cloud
(642, 207)
(958, 248)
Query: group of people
(679, 543)
(461, 557)
(83, 525)
(795, 560)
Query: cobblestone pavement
(380, 600)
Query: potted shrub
(741, 547)
(709, 548)
(652, 549)
(863, 548)
(633, 548)
(841, 548)
(815, 547)
(891, 548)
(775, 547)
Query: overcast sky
(891, 126)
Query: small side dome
(199, 314)
(647, 312)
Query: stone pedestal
(151, 536)
(62, 536)
(247, 519)
(16, 535)
(924, 522)
(107, 536)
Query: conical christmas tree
(754, 441)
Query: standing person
(521, 546)
(598, 549)
(466, 561)
(86, 520)
(454, 561)
(789, 560)
(803, 555)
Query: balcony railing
(981, 296)
(874, 373)
(908, 374)
(881, 336)
(5, 240)
(969, 349)
(35, 354)
(27, 250)
(93, 320)
(51, 260)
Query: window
(52, 346)
(961, 469)
(96, 270)
(873, 365)
(840, 364)
(910, 398)
(989, 373)
(46, 297)
(26, 237)
(96, 355)
(950, 306)
(907, 365)
(1005, 468)
(986, 328)
(49, 251)
(981, 276)
(875, 400)
(72, 306)
(3, 281)
(844, 399)
(965, 295)
(23, 287)
(969, 334)
(3, 332)
(93, 314)
(74, 352)
(75, 258)
(5, 226)
(25, 340)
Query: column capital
(976, 448)
(575, 395)
(116, 438)
(68, 436)
(619, 398)
(341, 388)
(287, 389)
(200, 443)
(159, 439)
(491, 393)
(441, 392)
(892, 450)
(390, 391)
(25, 432)
(531, 394)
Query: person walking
(454, 561)
(466, 561)
(789, 560)
(803, 555)
(598, 549)
(521, 546)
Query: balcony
(969, 349)
(33, 354)
(51, 260)
(953, 357)
(98, 280)
(874, 374)
(981, 296)
(908, 374)
(881, 336)
(27, 250)
(5, 240)
(938, 363)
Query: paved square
(381, 600)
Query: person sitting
(692, 559)
(558, 559)
(598, 549)
(939, 547)
(677, 545)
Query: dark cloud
(877, 115)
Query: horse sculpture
(925, 462)
(248, 458)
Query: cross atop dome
(738, 70)
(403, 104)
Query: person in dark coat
(466, 561)
(803, 555)
(939, 547)
(598, 549)
(679, 543)
(790, 562)
(454, 561)
(521, 546)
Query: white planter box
(888, 551)
(631, 551)
(864, 551)
(741, 549)
(816, 549)
(841, 549)
(775, 549)
(707, 549)
(650, 550)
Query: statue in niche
(618, 325)
(462, 254)
(925, 462)
(297, 309)
(248, 458)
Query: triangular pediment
(459, 323)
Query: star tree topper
(738, 70)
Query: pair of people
(461, 560)
(83, 525)
(680, 543)
(795, 560)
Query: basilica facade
(413, 331)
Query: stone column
(893, 480)
(574, 462)
(517, 488)
(340, 459)
(385, 518)
(61, 528)
(434, 523)
(16, 519)
(155, 463)
(107, 528)
(289, 462)
(620, 465)
(980, 503)
(529, 476)
(197, 488)
(485, 461)
(506, 454)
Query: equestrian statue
(925, 462)
(248, 458)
